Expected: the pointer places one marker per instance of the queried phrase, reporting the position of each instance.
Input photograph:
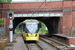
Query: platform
(19, 45)
(64, 35)
(68, 40)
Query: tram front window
(31, 27)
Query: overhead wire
(41, 5)
(46, 4)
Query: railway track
(45, 46)
(55, 44)
(40, 45)
(45, 43)
(33, 46)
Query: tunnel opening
(18, 28)
(43, 30)
(52, 23)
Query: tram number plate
(32, 37)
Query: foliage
(5, 1)
(39, 24)
(1, 21)
(20, 24)
(42, 29)
(73, 32)
(15, 31)
(39, 30)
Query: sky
(14, 1)
(34, 0)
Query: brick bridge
(64, 23)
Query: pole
(11, 30)
(4, 25)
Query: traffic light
(10, 15)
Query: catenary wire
(40, 6)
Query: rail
(56, 44)
(33, 46)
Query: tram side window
(23, 27)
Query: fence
(1, 31)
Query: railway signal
(11, 30)
(10, 15)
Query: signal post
(11, 18)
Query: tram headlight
(35, 35)
(27, 35)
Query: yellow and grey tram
(30, 30)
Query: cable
(41, 5)
(46, 4)
(38, 8)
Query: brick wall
(7, 26)
(6, 5)
(72, 41)
(67, 4)
(73, 18)
(73, 3)
(67, 17)
(0, 15)
(1, 6)
(61, 25)
(34, 5)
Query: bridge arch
(52, 23)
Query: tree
(5, 1)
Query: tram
(30, 30)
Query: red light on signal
(10, 17)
